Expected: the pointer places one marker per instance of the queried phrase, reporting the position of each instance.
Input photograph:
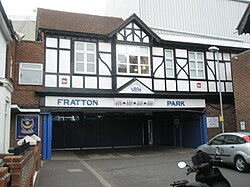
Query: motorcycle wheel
(241, 164)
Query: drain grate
(74, 170)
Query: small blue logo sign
(26, 125)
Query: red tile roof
(75, 22)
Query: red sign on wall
(64, 80)
(198, 85)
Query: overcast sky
(28, 7)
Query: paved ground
(145, 167)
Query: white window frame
(85, 63)
(11, 67)
(127, 53)
(196, 62)
(173, 65)
(40, 70)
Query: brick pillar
(4, 176)
(23, 167)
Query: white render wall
(5, 90)
(5, 103)
(208, 17)
(3, 44)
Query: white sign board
(242, 125)
(97, 102)
(212, 122)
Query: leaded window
(85, 58)
(196, 65)
(133, 60)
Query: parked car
(235, 146)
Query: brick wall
(213, 110)
(23, 167)
(28, 52)
(241, 81)
(4, 177)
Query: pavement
(75, 167)
(133, 167)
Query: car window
(231, 139)
(241, 140)
(218, 140)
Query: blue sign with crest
(27, 125)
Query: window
(169, 63)
(85, 57)
(196, 65)
(230, 139)
(218, 141)
(30, 73)
(11, 67)
(133, 60)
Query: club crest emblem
(27, 126)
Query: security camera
(19, 36)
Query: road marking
(97, 175)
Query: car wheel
(241, 164)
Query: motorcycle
(207, 174)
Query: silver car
(235, 146)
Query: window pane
(144, 50)
(31, 76)
(79, 56)
(132, 49)
(133, 69)
(90, 68)
(122, 59)
(199, 56)
(144, 69)
(168, 54)
(79, 46)
(133, 60)
(191, 55)
(192, 64)
(80, 67)
(218, 140)
(169, 63)
(90, 58)
(192, 73)
(31, 66)
(170, 73)
(122, 68)
(200, 65)
(90, 47)
(121, 49)
(241, 141)
(200, 73)
(144, 60)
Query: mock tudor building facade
(96, 81)
(110, 82)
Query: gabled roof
(134, 18)
(75, 22)
(244, 25)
